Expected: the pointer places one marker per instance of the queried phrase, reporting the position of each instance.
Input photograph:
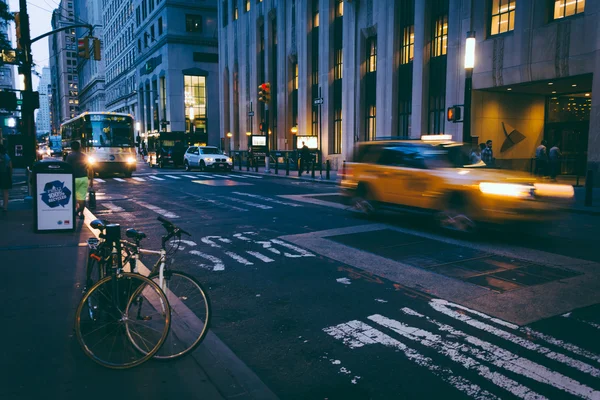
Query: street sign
(318, 101)
(251, 114)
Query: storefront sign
(259, 140)
(55, 201)
(310, 141)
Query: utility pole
(27, 107)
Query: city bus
(107, 139)
(55, 144)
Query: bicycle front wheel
(122, 321)
(190, 313)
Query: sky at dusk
(40, 14)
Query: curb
(231, 377)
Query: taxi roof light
(435, 138)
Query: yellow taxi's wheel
(362, 202)
(456, 217)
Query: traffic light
(18, 30)
(261, 127)
(264, 92)
(96, 44)
(454, 114)
(83, 48)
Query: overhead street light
(469, 65)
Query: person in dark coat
(304, 158)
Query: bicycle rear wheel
(117, 309)
(190, 313)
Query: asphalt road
(323, 304)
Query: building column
(593, 151)
(420, 76)
(350, 80)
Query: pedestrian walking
(554, 156)
(487, 154)
(304, 158)
(541, 159)
(475, 157)
(82, 172)
(5, 176)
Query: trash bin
(53, 196)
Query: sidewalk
(43, 276)
(578, 205)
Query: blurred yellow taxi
(435, 175)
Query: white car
(206, 157)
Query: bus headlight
(91, 160)
(130, 160)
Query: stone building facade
(391, 68)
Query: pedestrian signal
(454, 114)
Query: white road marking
(221, 176)
(592, 324)
(344, 281)
(204, 176)
(217, 264)
(238, 258)
(444, 306)
(238, 176)
(209, 241)
(158, 210)
(139, 179)
(99, 180)
(156, 178)
(381, 301)
(455, 351)
(251, 176)
(247, 203)
(222, 205)
(190, 176)
(172, 177)
(260, 256)
(355, 334)
(302, 252)
(119, 180)
(112, 207)
(186, 242)
(560, 343)
(256, 196)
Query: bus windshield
(110, 131)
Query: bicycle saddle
(134, 234)
(98, 224)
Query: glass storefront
(567, 126)
(195, 103)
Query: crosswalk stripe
(238, 176)
(137, 178)
(252, 176)
(172, 177)
(99, 180)
(248, 203)
(204, 176)
(357, 334)
(119, 180)
(156, 178)
(221, 176)
(268, 199)
(158, 210)
(222, 205)
(189, 176)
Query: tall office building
(119, 56)
(176, 67)
(7, 72)
(42, 119)
(63, 67)
(391, 68)
(90, 72)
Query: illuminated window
(247, 7)
(408, 45)
(503, 16)
(339, 57)
(339, 8)
(440, 38)
(195, 97)
(371, 122)
(566, 8)
(235, 12)
(295, 83)
(372, 55)
(315, 13)
(337, 131)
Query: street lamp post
(229, 136)
(469, 65)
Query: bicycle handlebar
(171, 227)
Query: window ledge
(501, 35)
(569, 18)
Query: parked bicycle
(124, 318)
(189, 302)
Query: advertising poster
(55, 201)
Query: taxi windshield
(450, 156)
